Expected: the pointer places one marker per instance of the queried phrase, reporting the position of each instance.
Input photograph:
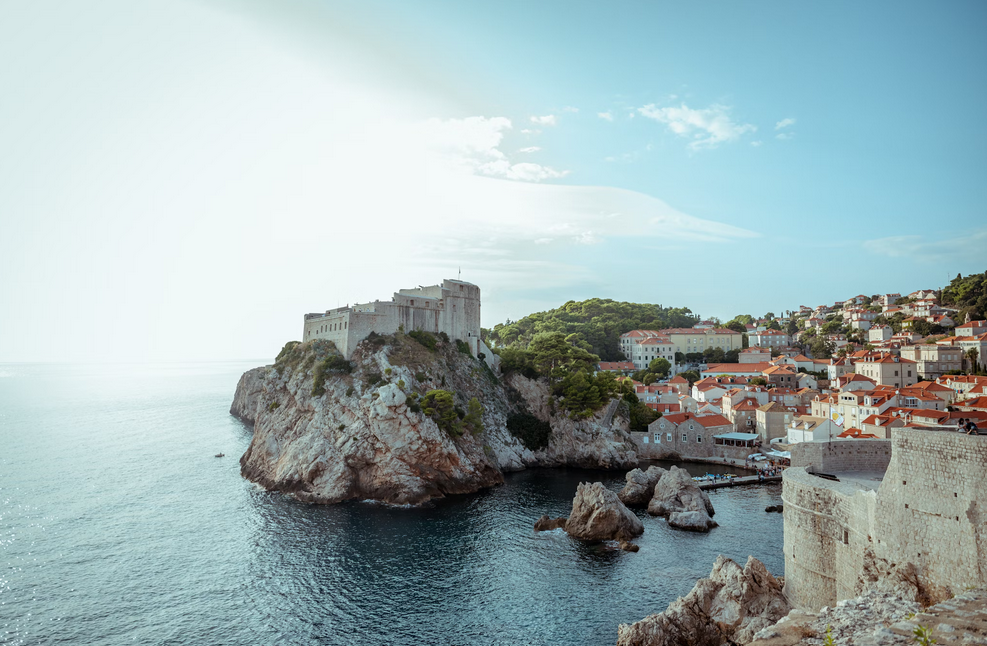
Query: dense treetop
(968, 295)
(594, 325)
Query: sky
(184, 180)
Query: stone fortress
(452, 307)
(859, 510)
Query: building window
(645, 439)
(668, 437)
(685, 438)
(699, 439)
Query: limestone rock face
(588, 443)
(729, 607)
(677, 493)
(598, 515)
(361, 439)
(640, 487)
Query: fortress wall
(828, 528)
(842, 455)
(452, 307)
(932, 506)
(334, 327)
(929, 511)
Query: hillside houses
(895, 365)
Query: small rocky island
(408, 418)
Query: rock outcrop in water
(729, 607)
(326, 430)
(682, 502)
(546, 523)
(598, 515)
(640, 487)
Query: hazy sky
(184, 180)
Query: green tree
(774, 325)
(972, 354)
(821, 348)
(660, 367)
(473, 421)
(441, 407)
(736, 326)
(757, 381)
(691, 375)
(554, 356)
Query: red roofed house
(978, 403)
(695, 436)
(781, 376)
(973, 328)
(735, 369)
(888, 370)
(771, 338)
(641, 347)
(620, 367)
(680, 383)
(755, 355)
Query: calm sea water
(117, 525)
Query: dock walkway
(736, 482)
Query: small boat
(220, 455)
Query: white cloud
(529, 149)
(785, 136)
(529, 131)
(606, 116)
(757, 144)
(784, 123)
(547, 120)
(473, 145)
(920, 248)
(707, 128)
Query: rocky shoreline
(365, 435)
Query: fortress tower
(452, 307)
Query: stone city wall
(929, 512)
(842, 455)
(932, 506)
(827, 531)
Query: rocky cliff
(327, 431)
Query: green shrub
(286, 350)
(349, 391)
(473, 420)
(421, 376)
(444, 337)
(425, 338)
(401, 384)
(463, 347)
(374, 378)
(441, 407)
(331, 364)
(376, 341)
(273, 406)
(388, 371)
(533, 433)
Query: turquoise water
(117, 525)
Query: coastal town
(851, 370)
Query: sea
(118, 525)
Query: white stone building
(452, 307)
